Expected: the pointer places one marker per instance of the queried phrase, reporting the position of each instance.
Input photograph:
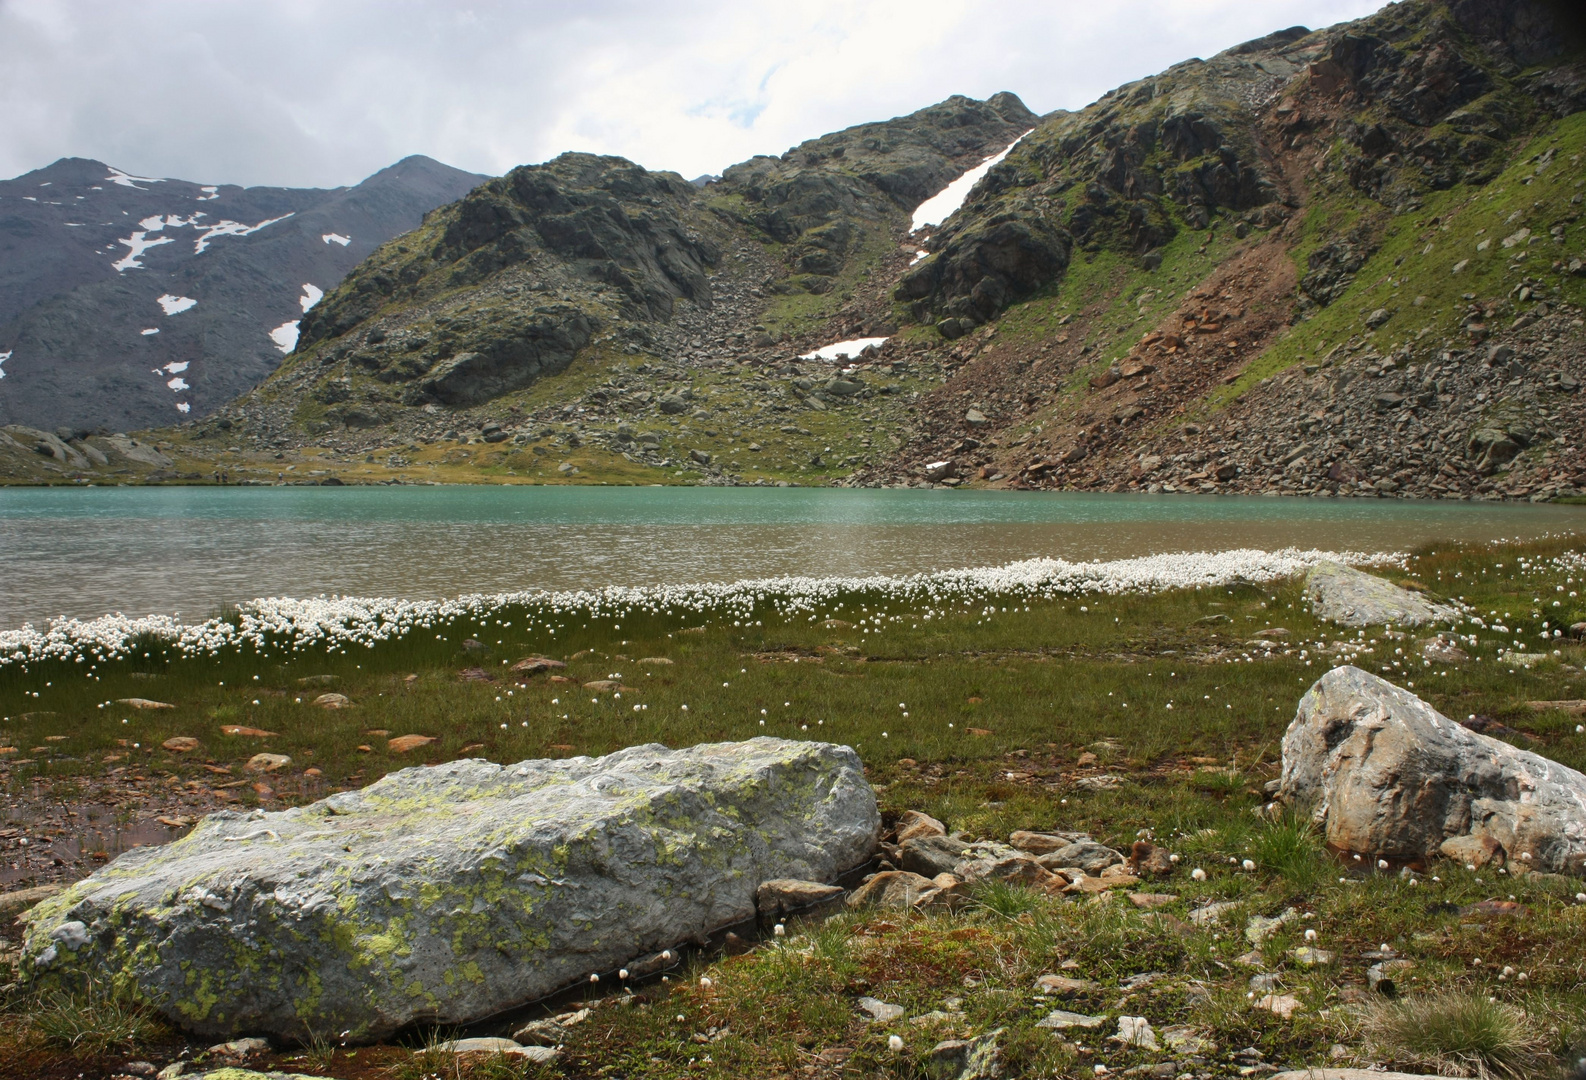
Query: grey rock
(783, 896)
(1385, 774)
(454, 892)
(1089, 856)
(1349, 597)
(1046, 843)
(1212, 913)
(1061, 1018)
(881, 1012)
(1259, 927)
(966, 1059)
(932, 855)
(672, 405)
(1135, 1031)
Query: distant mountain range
(128, 301)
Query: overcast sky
(324, 92)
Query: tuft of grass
(1290, 848)
(93, 1021)
(1005, 898)
(1460, 1030)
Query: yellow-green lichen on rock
(453, 892)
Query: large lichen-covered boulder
(454, 892)
(1387, 775)
(1350, 597)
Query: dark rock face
(544, 342)
(606, 221)
(87, 252)
(1124, 174)
(818, 194)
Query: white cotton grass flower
(779, 930)
(337, 623)
(1197, 874)
(705, 983)
(895, 1044)
(1310, 935)
(1248, 865)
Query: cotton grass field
(1146, 697)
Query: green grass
(1000, 706)
(1467, 1031)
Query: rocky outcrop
(451, 893)
(1350, 597)
(1125, 175)
(1386, 775)
(823, 195)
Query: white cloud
(299, 92)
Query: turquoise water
(84, 552)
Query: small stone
(1148, 858)
(1136, 1031)
(333, 701)
(1212, 913)
(266, 763)
(180, 744)
(403, 743)
(1044, 843)
(240, 1048)
(1063, 986)
(1284, 1005)
(881, 1012)
(143, 703)
(784, 896)
(1059, 1019)
(1152, 901)
(533, 665)
(1258, 928)
(914, 823)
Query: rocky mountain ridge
(1359, 243)
(128, 301)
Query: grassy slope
(999, 706)
(1411, 275)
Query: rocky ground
(1050, 783)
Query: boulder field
(455, 892)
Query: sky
(325, 92)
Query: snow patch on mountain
(4, 356)
(178, 384)
(175, 305)
(843, 350)
(312, 295)
(941, 206)
(336, 238)
(150, 332)
(208, 193)
(138, 243)
(175, 367)
(285, 336)
(230, 228)
(128, 180)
